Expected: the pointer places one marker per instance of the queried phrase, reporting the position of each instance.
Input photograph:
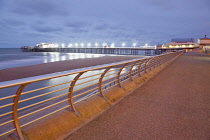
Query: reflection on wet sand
(44, 57)
(55, 56)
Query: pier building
(205, 41)
(160, 46)
(182, 43)
(46, 45)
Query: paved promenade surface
(173, 105)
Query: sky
(30, 22)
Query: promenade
(173, 105)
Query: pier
(117, 50)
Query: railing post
(15, 112)
(101, 80)
(130, 73)
(152, 62)
(157, 61)
(118, 75)
(160, 60)
(145, 65)
(139, 69)
(164, 58)
(71, 92)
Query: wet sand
(46, 68)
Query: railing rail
(40, 96)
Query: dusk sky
(29, 22)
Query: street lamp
(134, 45)
(123, 44)
(88, 44)
(112, 45)
(96, 44)
(76, 44)
(70, 45)
(62, 45)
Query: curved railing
(24, 101)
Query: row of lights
(97, 44)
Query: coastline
(52, 67)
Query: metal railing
(27, 100)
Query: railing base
(76, 113)
(13, 136)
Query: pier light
(56, 45)
(96, 44)
(123, 44)
(146, 44)
(70, 45)
(82, 44)
(76, 44)
(63, 45)
(89, 44)
(112, 45)
(134, 45)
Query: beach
(52, 67)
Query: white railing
(24, 101)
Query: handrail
(66, 93)
(21, 81)
(33, 79)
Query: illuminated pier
(117, 50)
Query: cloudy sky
(29, 22)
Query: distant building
(160, 46)
(148, 47)
(204, 42)
(206, 49)
(182, 43)
(46, 45)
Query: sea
(14, 57)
